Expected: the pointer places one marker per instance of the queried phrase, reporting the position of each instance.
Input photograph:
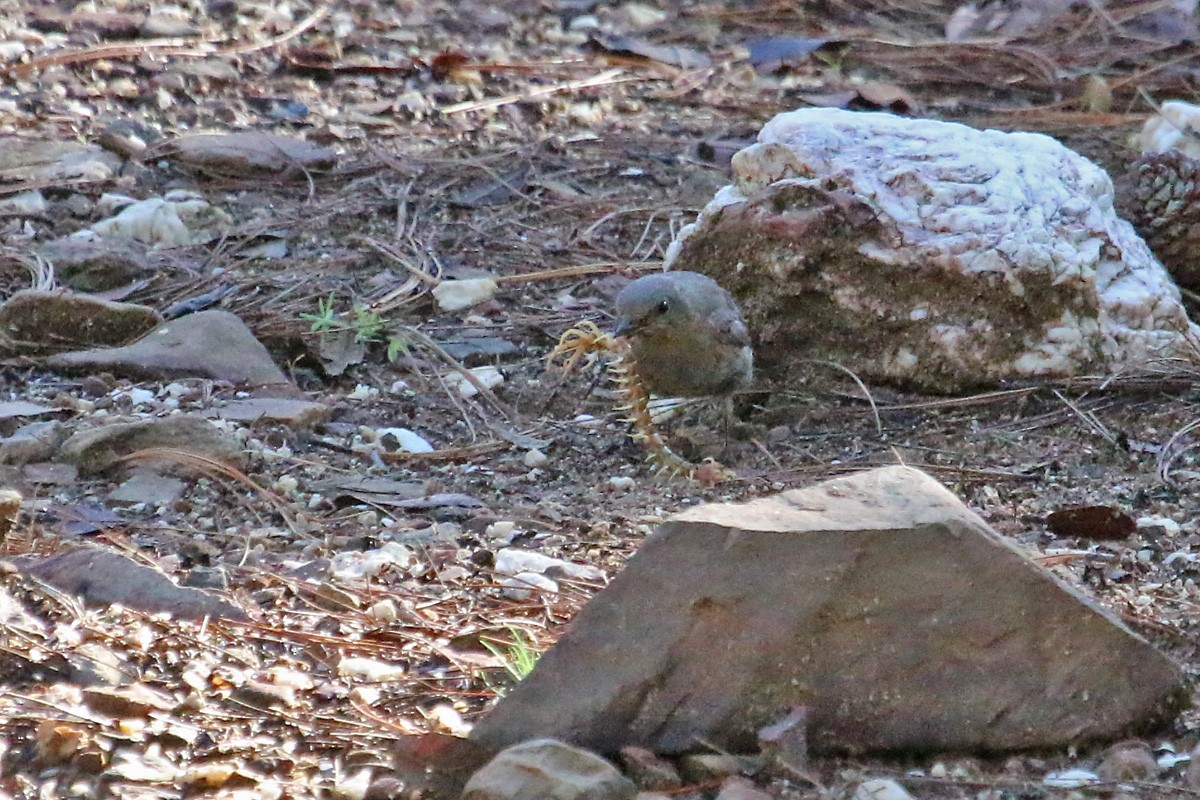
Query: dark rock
(101, 578)
(212, 344)
(878, 601)
(96, 450)
(545, 768)
(96, 265)
(37, 322)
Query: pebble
(535, 458)
(522, 585)
(1070, 779)
(622, 483)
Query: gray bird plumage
(687, 335)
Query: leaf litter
(544, 150)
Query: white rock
(408, 441)
(502, 529)
(182, 220)
(369, 670)
(1159, 526)
(353, 787)
(1052, 282)
(31, 202)
(535, 458)
(522, 585)
(363, 392)
(1070, 779)
(511, 561)
(881, 789)
(353, 566)
(489, 376)
(622, 483)
(1171, 129)
(457, 295)
(384, 611)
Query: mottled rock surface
(878, 602)
(98, 449)
(548, 770)
(932, 254)
(34, 322)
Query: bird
(687, 335)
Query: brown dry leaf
(237, 154)
(637, 49)
(1091, 522)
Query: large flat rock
(879, 602)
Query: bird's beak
(624, 328)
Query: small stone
(708, 767)
(535, 458)
(546, 768)
(489, 377)
(454, 295)
(147, 487)
(502, 530)
(1155, 527)
(523, 585)
(1128, 761)
(403, 440)
(1070, 779)
(511, 561)
(370, 670)
(648, 770)
(881, 789)
(736, 787)
(622, 483)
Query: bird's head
(653, 303)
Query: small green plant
(368, 326)
(518, 660)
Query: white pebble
(457, 295)
(535, 458)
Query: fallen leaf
(1091, 522)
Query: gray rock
(101, 577)
(96, 450)
(293, 412)
(212, 344)
(739, 788)
(879, 602)
(545, 769)
(96, 265)
(881, 789)
(148, 487)
(31, 443)
(36, 322)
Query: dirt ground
(529, 142)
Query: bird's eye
(663, 307)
